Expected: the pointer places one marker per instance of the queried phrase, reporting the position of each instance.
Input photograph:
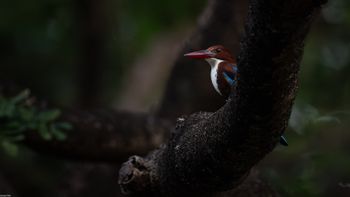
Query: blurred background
(118, 54)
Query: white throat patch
(214, 63)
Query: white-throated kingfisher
(223, 72)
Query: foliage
(18, 117)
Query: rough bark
(210, 152)
(103, 135)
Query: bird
(224, 70)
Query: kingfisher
(224, 71)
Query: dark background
(118, 54)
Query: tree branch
(98, 135)
(210, 152)
(104, 135)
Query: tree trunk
(211, 152)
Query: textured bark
(210, 152)
(104, 135)
(189, 82)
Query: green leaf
(32, 125)
(49, 115)
(21, 96)
(27, 114)
(17, 138)
(64, 125)
(58, 134)
(10, 148)
(13, 125)
(44, 132)
(9, 110)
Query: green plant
(18, 117)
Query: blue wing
(235, 69)
(230, 76)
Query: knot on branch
(135, 175)
(185, 121)
(180, 123)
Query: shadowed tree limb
(210, 152)
(104, 135)
(100, 135)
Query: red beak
(202, 54)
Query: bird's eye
(218, 50)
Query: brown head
(217, 51)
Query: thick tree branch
(210, 152)
(104, 135)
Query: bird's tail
(283, 141)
